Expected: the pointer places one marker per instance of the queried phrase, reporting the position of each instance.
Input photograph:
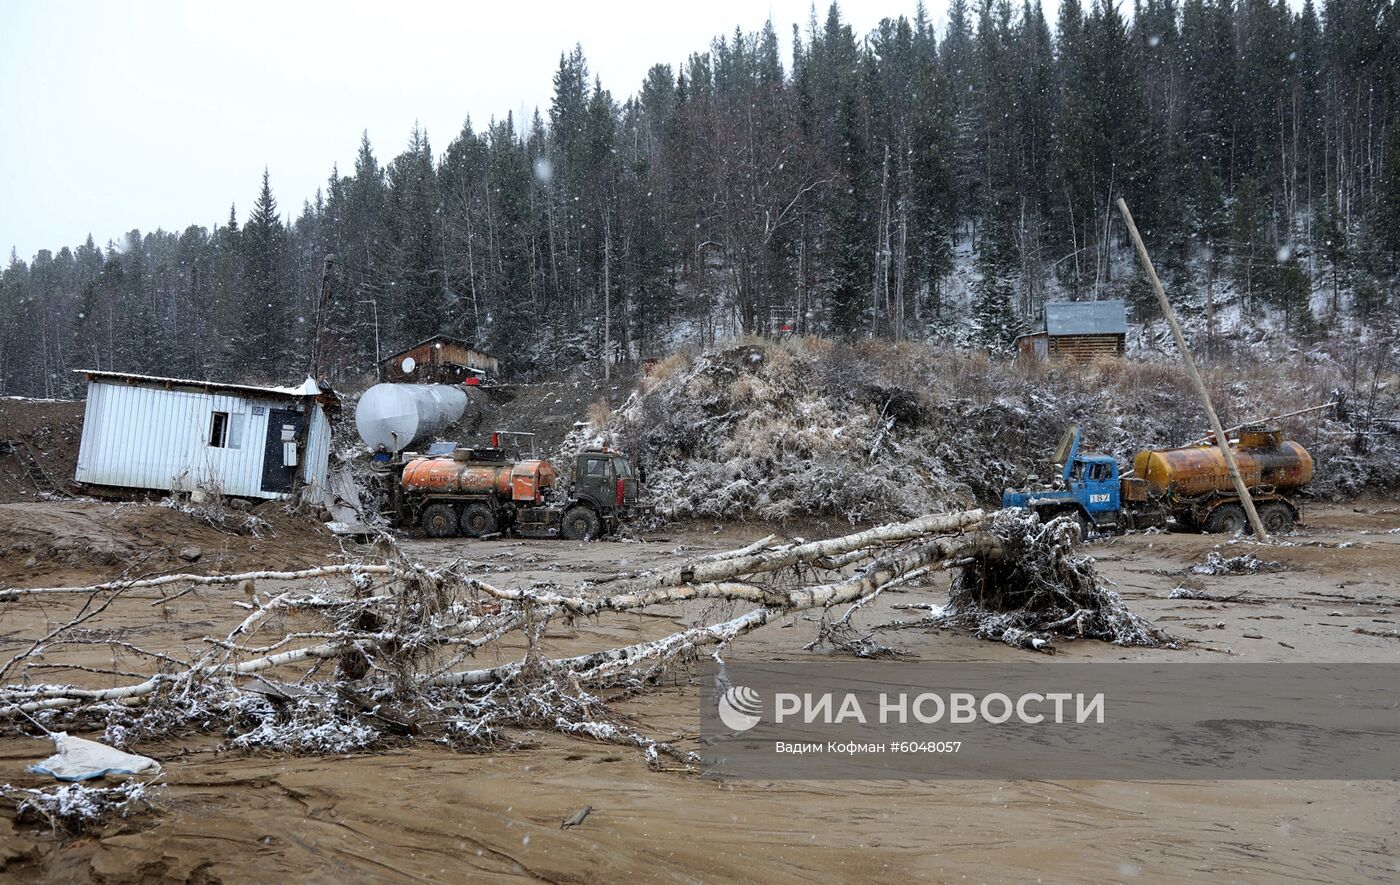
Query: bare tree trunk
(607, 295)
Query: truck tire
(1227, 519)
(1086, 527)
(1276, 516)
(439, 520)
(478, 519)
(581, 523)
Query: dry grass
(599, 411)
(663, 369)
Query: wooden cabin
(439, 360)
(1078, 330)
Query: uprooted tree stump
(1038, 586)
(386, 655)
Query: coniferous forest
(822, 181)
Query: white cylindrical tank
(394, 415)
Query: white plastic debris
(77, 759)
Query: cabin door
(281, 450)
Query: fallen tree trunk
(702, 571)
(880, 573)
(325, 571)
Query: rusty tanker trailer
(1190, 485)
(1263, 457)
(1193, 483)
(483, 492)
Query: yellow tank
(1264, 457)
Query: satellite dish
(409, 364)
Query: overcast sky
(116, 115)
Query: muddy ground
(80, 541)
(51, 429)
(431, 814)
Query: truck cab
(1086, 486)
(606, 479)
(606, 486)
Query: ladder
(38, 476)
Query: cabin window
(235, 430)
(596, 467)
(1099, 472)
(218, 431)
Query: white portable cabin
(171, 434)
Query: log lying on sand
(779, 603)
(324, 571)
(706, 571)
(409, 647)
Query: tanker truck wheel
(1276, 516)
(581, 523)
(1227, 519)
(439, 520)
(478, 519)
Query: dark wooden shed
(439, 360)
(1080, 330)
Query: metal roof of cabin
(307, 388)
(445, 339)
(1086, 318)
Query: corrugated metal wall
(154, 438)
(318, 453)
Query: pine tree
(933, 197)
(995, 321)
(421, 301)
(1333, 235)
(849, 227)
(1385, 221)
(272, 332)
(1247, 233)
(1249, 141)
(512, 323)
(224, 354)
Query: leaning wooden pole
(1196, 381)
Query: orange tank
(1263, 456)
(519, 481)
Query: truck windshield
(623, 466)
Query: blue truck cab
(1087, 487)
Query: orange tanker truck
(485, 491)
(1190, 485)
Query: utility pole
(321, 307)
(378, 369)
(1196, 381)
